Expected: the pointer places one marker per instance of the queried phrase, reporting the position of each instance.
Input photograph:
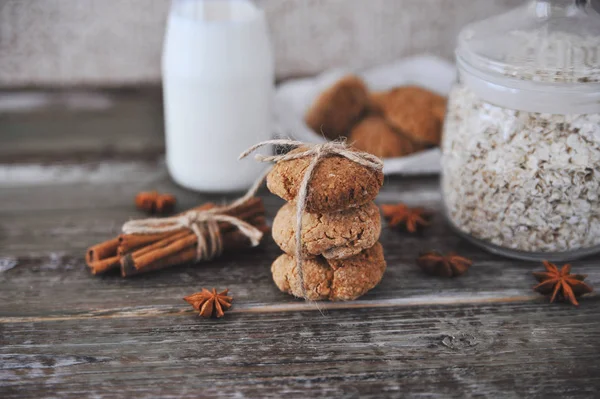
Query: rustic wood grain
(81, 126)
(65, 333)
(47, 228)
(436, 351)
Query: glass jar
(521, 143)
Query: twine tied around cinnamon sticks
(204, 224)
(201, 233)
(317, 152)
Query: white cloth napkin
(293, 98)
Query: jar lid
(550, 41)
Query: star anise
(209, 303)
(154, 202)
(561, 284)
(410, 218)
(451, 265)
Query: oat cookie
(337, 183)
(336, 280)
(336, 235)
(438, 108)
(415, 111)
(376, 136)
(338, 108)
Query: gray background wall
(118, 42)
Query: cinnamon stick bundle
(140, 253)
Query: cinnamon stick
(145, 251)
(161, 253)
(102, 266)
(131, 242)
(147, 255)
(168, 247)
(231, 241)
(100, 257)
(102, 251)
(180, 234)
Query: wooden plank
(33, 281)
(45, 229)
(81, 126)
(65, 333)
(516, 350)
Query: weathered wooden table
(68, 174)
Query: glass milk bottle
(521, 143)
(218, 79)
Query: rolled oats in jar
(521, 144)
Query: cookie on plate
(336, 280)
(338, 108)
(376, 136)
(336, 235)
(438, 108)
(337, 183)
(415, 111)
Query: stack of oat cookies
(342, 258)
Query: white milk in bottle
(218, 84)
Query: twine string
(318, 152)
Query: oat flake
(521, 180)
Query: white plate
(293, 98)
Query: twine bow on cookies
(204, 224)
(318, 152)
